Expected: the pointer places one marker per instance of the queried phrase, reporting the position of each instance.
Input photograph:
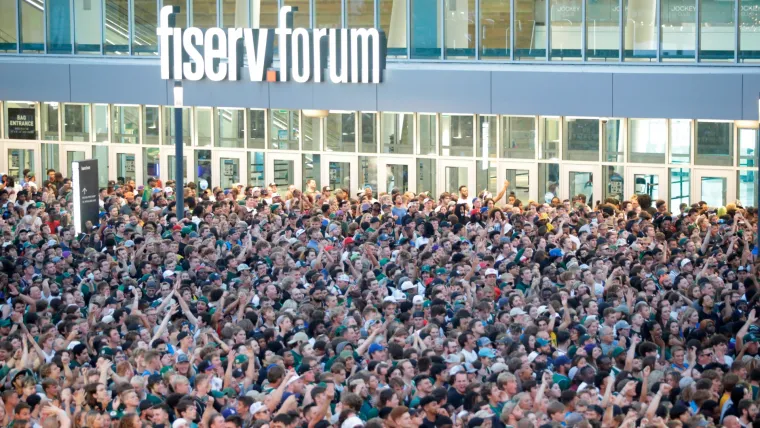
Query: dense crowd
(282, 308)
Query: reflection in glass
(393, 22)
(548, 181)
(256, 169)
(368, 136)
(117, 27)
(126, 123)
(613, 177)
(145, 20)
(530, 30)
(230, 127)
(58, 26)
(8, 39)
(713, 191)
(125, 167)
(428, 134)
(494, 29)
(460, 28)
(640, 32)
(19, 161)
(327, 13)
(550, 138)
(312, 167)
(257, 123)
(426, 29)
(566, 27)
(519, 185)
(88, 29)
(456, 135)
(312, 133)
(100, 116)
(426, 176)
(485, 178)
(716, 30)
(151, 164)
(50, 159)
(747, 180)
(582, 140)
(396, 133)
(487, 136)
(150, 125)
(749, 31)
(301, 18)
(340, 132)
(285, 129)
(101, 154)
(613, 140)
(76, 122)
(171, 168)
(235, 13)
(204, 13)
(203, 119)
(181, 17)
(229, 172)
(646, 140)
(680, 188)
(747, 147)
(187, 126)
(397, 177)
(602, 27)
(368, 173)
(49, 113)
(582, 185)
(203, 166)
(678, 26)
(32, 26)
(518, 136)
(647, 184)
(680, 141)
(339, 175)
(454, 178)
(715, 144)
(361, 13)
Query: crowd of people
(313, 308)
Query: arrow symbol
(84, 190)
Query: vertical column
(697, 30)
(583, 30)
(658, 29)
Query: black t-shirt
(455, 399)
(426, 423)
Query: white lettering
(214, 51)
(334, 66)
(318, 34)
(164, 31)
(364, 35)
(301, 69)
(283, 32)
(191, 38)
(257, 55)
(177, 53)
(233, 35)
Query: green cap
(166, 235)
(617, 351)
(440, 271)
(5, 323)
(240, 359)
(106, 351)
(347, 354)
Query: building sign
(22, 124)
(86, 204)
(355, 55)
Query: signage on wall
(84, 177)
(22, 124)
(355, 55)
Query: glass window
(312, 133)
(518, 137)
(566, 28)
(428, 134)
(302, 18)
(339, 175)
(151, 164)
(361, 13)
(426, 29)
(749, 29)
(204, 13)
(49, 113)
(328, 13)
(680, 188)
(76, 122)
(548, 181)
(519, 184)
(21, 121)
(550, 138)
(145, 21)
(32, 24)
(582, 140)
(181, 17)
(715, 144)
(613, 176)
(50, 159)
(602, 30)
(485, 178)
(613, 138)
(58, 26)
(488, 132)
(204, 120)
(101, 154)
(285, 130)
(748, 147)
(169, 125)
(646, 140)
(235, 13)
(256, 169)
(312, 169)
(264, 15)
(117, 32)
(640, 33)
(530, 30)
(171, 168)
(647, 184)
(460, 28)
(151, 129)
(396, 133)
(88, 31)
(8, 39)
(678, 27)
(716, 30)
(100, 116)
(20, 162)
(340, 132)
(456, 135)
(126, 124)
(396, 177)
(746, 187)
(72, 155)
(426, 177)
(368, 142)
(203, 167)
(257, 129)
(393, 22)
(367, 173)
(230, 127)
(680, 141)
(494, 29)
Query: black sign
(86, 204)
(21, 124)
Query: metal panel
(35, 82)
(292, 95)
(120, 84)
(345, 97)
(445, 91)
(750, 98)
(227, 94)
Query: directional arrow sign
(84, 190)
(86, 206)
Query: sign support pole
(178, 152)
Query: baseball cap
(487, 353)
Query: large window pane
(485, 178)
(747, 180)
(393, 22)
(460, 28)
(717, 30)
(456, 135)
(117, 27)
(396, 133)
(50, 160)
(360, 13)
(602, 27)
(748, 147)
(680, 141)
(678, 26)
(426, 29)
(204, 120)
(58, 26)
(680, 188)
(257, 123)
(327, 13)
(548, 181)
(49, 113)
(101, 154)
(518, 137)
(567, 23)
(126, 123)
(256, 169)
(302, 18)
(426, 177)
(203, 167)
(32, 26)
(144, 25)
(21, 121)
(640, 30)
(88, 29)
(715, 144)
(428, 134)
(204, 13)
(151, 163)
(285, 130)
(367, 173)
(312, 168)
(494, 29)
(340, 132)
(530, 30)
(181, 17)
(749, 30)
(235, 13)
(550, 142)
(488, 136)
(100, 116)
(187, 126)
(519, 185)
(613, 140)
(8, 39)
(613, 177)
(150, 125)
(368, 136)
(646, 140)
(312, 133)
(76, 122)
(230, 127)
(582, 140)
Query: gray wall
(688, 92)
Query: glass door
(650, 181)
(18, 160)
(283, 169)
(396, 173)
(73, 153)
(523, 182)
(127, 164)
(340, 172)
(168, 170)
(229, 168)
(717, 188)
(458, 178)
(579, 180)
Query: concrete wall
(685, 92)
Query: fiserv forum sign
(355, 55)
